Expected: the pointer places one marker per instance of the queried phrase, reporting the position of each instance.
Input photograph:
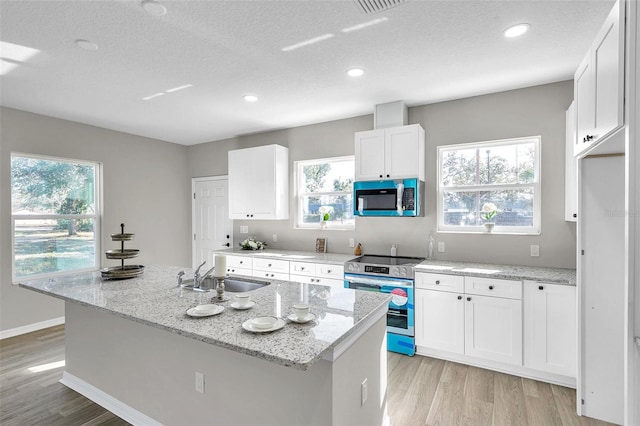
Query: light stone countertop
(154, 299)
(292, 255)
(509, 272)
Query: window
(325, 193)
(475, 177)
(54, 216)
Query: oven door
(400, 316)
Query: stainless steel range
(393, 275)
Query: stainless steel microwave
(401, 197)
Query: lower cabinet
(493, 328)
(526, 328)
(439, 318)
(550, 328)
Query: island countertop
(154, 299)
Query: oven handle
(378, 281)
(362, 285)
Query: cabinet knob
(328, 271)
(251, 215)
(540, 287)
(380, 175)
(575, 215)
(247, 215)
(490, 287)
(302, 268)
(269, 265)
(241, 262)
(587, 138)
(468, 299)
(387, 175)
(459, 297)
(437, 281)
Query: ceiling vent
(369, 7)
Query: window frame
(96, 216)
(298, 184)
(536, 185)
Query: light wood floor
(421, 391)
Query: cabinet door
(369, 151)
(571, 168)
(585, 105)
(550, 328)
(608, 70)
(404, 148)
(240, 193)
(493, 328)
(439, 320)
(263, 176)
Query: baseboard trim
(12, 332)
(106, 401)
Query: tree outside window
(54, 215)
(502, 173)
(325, 193)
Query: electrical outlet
(363, 391)
(244, 229)
(535, 250)
(440, 246)
(352, 242)
(199, 382)
(275, 238)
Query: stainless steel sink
(242, 285)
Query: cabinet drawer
(271, 265)
(302, 268)
(509, 289)
(330, 282)
(239, 262)
(239, 271)
(429, 281)
(330, 271)
(271, 275)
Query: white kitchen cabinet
(259, 183)
(493, 328)
(550, 331)
(317, 273)
(439, 319)
(391, 153)
(239, 265)
(570, 167)
(474, 316)
(599, 84)
(271, 268)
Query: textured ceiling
(423, 52)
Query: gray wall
(145, 185)
(532, 111)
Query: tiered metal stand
(123, 271)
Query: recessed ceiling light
(250, 98)
(86, 44)
(516, 30)
(152, 96)
(364, 25)
(153, 7)
(355, 72)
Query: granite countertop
(510, 272)
(154, 299)
(293, 255)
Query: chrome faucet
(195, 283)
(196, 276)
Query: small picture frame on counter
(321, 245)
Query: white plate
(193, 312)
(249, 327)
(249, 305)
(294, 318)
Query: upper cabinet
(599, 84)
(259, 183)
(391, 153)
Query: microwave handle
(360, 205)
(400, 196)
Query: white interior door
(212, 228)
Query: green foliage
(314, 176)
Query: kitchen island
(131, 347)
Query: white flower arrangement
(489, 211)
(251, 244)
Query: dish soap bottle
(394, 250)
(358, 250)
(430, 246)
